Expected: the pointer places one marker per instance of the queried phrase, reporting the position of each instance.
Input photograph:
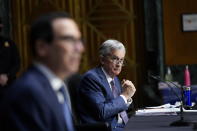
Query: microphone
(180, 122)
(159, 79)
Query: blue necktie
(123, 114)
(66, 110)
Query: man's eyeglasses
(71, 39)
(117, 60)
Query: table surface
(159, 123)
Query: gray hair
(110, 45)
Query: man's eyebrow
(117, 57)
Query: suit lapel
(104, 81)
(50, 95)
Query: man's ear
(42, 48)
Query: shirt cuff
(128, 102)
(124, 98)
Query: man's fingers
(123, 81)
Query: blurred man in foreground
(39, 100)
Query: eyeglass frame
(116, 60)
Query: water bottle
(187, 88)
(168, 76)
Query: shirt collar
(109, 79)
(55, 81)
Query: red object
(187, 77)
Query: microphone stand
(180, 122)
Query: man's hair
(109, 45)
(42, 29)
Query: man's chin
(74, 69)
(116, 73)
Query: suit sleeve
(93, 98)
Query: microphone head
(155, 77)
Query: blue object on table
(187, 95)
(169, 97)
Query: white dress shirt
(55, 82)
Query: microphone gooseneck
(159, 79)
(180, 122)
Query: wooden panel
(23, 13)
(99, 20)
(112, 19)
(180, 47)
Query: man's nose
(118, 64)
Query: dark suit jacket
(9, 56)
(96, 102)
(31, 105)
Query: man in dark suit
(39, 100)
(101, 97)
(9, 61)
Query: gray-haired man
(102, 98)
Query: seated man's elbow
(103, 115)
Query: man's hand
(3, 79)
(128, 89)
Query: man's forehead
(118, 53)
(63, 22)
(66, 25)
